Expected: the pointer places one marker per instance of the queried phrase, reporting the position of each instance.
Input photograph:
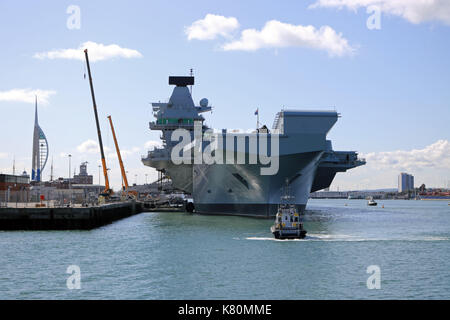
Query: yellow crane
(122, 168)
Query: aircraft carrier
(304, 157)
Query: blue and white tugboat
(287, 222)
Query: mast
(191, 73)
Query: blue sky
(392, 90)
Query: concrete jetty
(66, 218)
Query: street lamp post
(70, 186)
(70, 157)
(9, 195)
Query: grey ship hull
(256, 210)
(180, 175)
(241, 190)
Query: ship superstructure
(333, 162)
(179, 112)
(239, 185)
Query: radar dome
(204, 103)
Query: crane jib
(105, 170)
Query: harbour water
(182, 256)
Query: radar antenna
(191, 73)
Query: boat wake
(273, 239)
(347, 238)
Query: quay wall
(66, 218)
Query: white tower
(40, 149)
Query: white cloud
(211, 26)
(436, 155)
(151, 144)
(124, 153)
(415, 11)
(89, 146)
(276, 34)
(429, 165)
(97, 52)
(3, 155)
(26, 95)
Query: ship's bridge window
(175, 121)
(162, 121)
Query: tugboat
(287, 222)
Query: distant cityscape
(405, 190)
(80, 189)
